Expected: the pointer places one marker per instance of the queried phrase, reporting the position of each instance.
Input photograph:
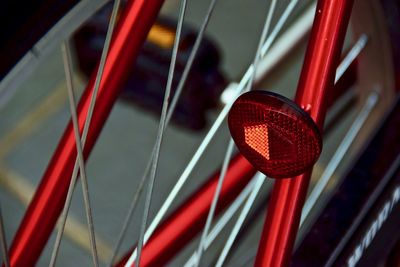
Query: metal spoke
(231, 143)
(278, 27)
(264, 33)
(191, 58)
(170, 112)
(240, 220)
(161, 128)
(339, 154)
(341, 69)
(3, 241)
(82, 169)
(184, 176)
(228, 214)
(232, 209)
(351, 56)
(214, 202)
(238, 88)
(270, 56)
(350, 135)
(74, 175)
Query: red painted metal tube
(189, 219)
(45, 208)
(316, 80)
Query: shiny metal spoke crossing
(75, 172)
(210, 216)
(85, 188)
(253, 186)
(239, 222)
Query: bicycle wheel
(210, 165)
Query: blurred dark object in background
(146, 85)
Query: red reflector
(274, 134)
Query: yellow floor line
(77, 232)
(51, 104)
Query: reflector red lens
(274, 134)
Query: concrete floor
(34, 119)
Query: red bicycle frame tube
(316, 80)
(288, 196)
(48, 201)
(187, 220)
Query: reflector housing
(274, 134)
